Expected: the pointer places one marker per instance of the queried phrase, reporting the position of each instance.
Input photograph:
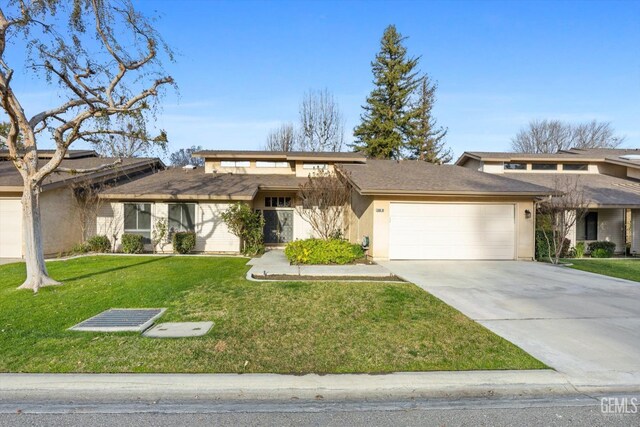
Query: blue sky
(242, 66)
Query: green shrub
(184, 241)
(317, 251)
(542, 248)
(99, 244)
(601, 253)
(132, 243)
(579, 250)
(608, 247)
(79, 248)
(247, 225)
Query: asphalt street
(555, 411)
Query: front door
(278, 226)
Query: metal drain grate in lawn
(120, 320)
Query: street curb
(460, 384)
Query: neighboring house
(60, 218)
(610, 179)
(405, 209)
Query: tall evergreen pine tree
(386, 126)
(427, 142)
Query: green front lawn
(288, 327)
(615, 267)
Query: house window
(182, 217)
(277, 202)
(272, 164)
(137, 220)
(544, 166)
(591, 226)
(235, 164)
(315, 166)
(515, 166)
(575, 167)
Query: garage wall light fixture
(527, 213)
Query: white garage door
(10, 228)
(451, 231)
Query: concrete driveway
(584, 325)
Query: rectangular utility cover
(452, 231)
(120, 320)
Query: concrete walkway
(275, 262)
(585, 325)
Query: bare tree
(558, 214)
(131, 142)
(325, 197)
(184, 157)
(105, 59)
(595, 135)
(551, 136)
(87, 203)
(282, 139)
(321, 122)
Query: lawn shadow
(111, 270)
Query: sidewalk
(274, 262)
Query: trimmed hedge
(132, 243)
(99, 244)
(184, 241)
(602, 249)
(318, 251)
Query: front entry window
(137, 220)
(591, 226)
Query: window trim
(181, 216)
(581, 167)
(514, 169)
(287, 202)
(267, 164)
(539, 168)
(315, 166)
(138, 230)
(235, 163)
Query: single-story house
(60, 216)
(404, 209)
(608, 178)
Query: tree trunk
(37, 275)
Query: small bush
(184, 241)
(79, 248)
(247, 225)
(132, 243)
(608, 247)
(99, 244)
(579, 250)
(601, 253)
(542, 248)
(317, 251)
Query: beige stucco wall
(525, 245)
(633, 173)
(361, 218)
(60, 221)
(211, 165)
(613, 170)
(212, 234)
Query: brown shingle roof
(47, 154)
(195, 184)
(415, 177)
(599, 190)
(10, 179)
